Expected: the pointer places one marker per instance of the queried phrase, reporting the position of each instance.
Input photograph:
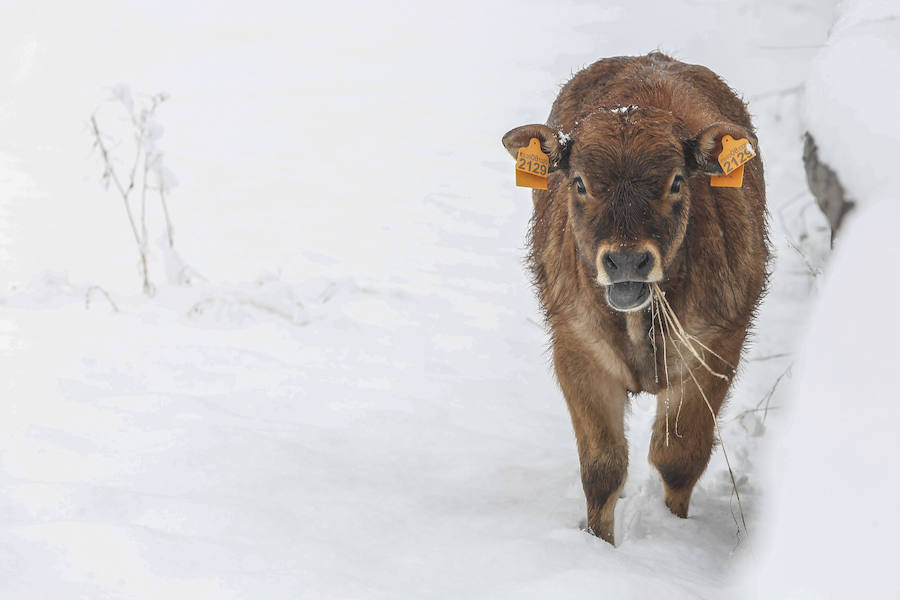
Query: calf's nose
(627, 266)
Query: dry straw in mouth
(670, 327)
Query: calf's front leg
(683, 454)
(597, 405)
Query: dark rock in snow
(825, 185)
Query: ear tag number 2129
(734, 154)
(532, 166)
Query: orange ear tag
(732, 158)
(532, 166)
(733, 179)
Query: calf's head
(625, 175)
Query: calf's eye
(579, 185)
(676, 184)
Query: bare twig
(813, 270)
(144, 207)
(90, 293)
(769, 357)
(529, 319)
(768, 397)
(110, 173)
(165, 207)
(145, 159)
(792, 238)
(750, 411)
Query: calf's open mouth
(628, 295)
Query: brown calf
(632, 143)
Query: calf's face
(625, 176)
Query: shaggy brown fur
(633, 141)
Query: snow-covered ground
(834, 519)
(355, 401)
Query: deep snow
(833, 520)
(356, 402)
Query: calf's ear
(701, 152)
(550, 144)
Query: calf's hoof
(678, 501)
(606, 531)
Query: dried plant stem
(697, 341)
(769, 357)
(141, 123)
(165, 207)
(685, 339)
(768, 397)
(683, 336)
(652, 335)
(96, 288)
(680, 404)
(144, 207)
(111, 174)
(654, 316)
(724, 452)
(665, 331)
